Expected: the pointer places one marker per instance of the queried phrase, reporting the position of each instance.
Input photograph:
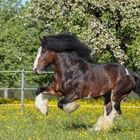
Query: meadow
(58, 125)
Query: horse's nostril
(35, 70)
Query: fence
(22, 88)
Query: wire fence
(22, 88)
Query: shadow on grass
(74, 126)
(116, 130)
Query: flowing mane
(66, 43)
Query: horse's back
(114, 69)
(109, 70)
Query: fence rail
(25, 71)
(22, 88)
(12, 88)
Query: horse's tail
(137, 86)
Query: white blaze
(37, 57)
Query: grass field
(58, 125)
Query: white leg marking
(113, 113)
(70, 107)
(89, 96)
(37, 57)
(105, 111)
(41, 104)
(105, 123)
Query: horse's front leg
(42, 104)
(67, 103)
(48, 90)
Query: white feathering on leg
(70, 107)
(105, 123)
(41, 104)
(105, 112)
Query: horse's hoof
(70, 107)
(42, 107)
(103, 124)
(97, 129)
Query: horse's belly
(97, 90)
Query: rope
(135, 107)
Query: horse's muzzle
(36, 70)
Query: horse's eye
(43, 51)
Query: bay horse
(76, 78)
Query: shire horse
(76, 78)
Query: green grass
(58, 125)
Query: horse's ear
(39, 33)
(40, 38)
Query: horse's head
(43, 59)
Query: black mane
(66, 43)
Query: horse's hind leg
(103, 123)
(111, 112)
(116, 111)
(122, 89)
(106, 122)
(116, 101)
(107, 104)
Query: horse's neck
(65, 61)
